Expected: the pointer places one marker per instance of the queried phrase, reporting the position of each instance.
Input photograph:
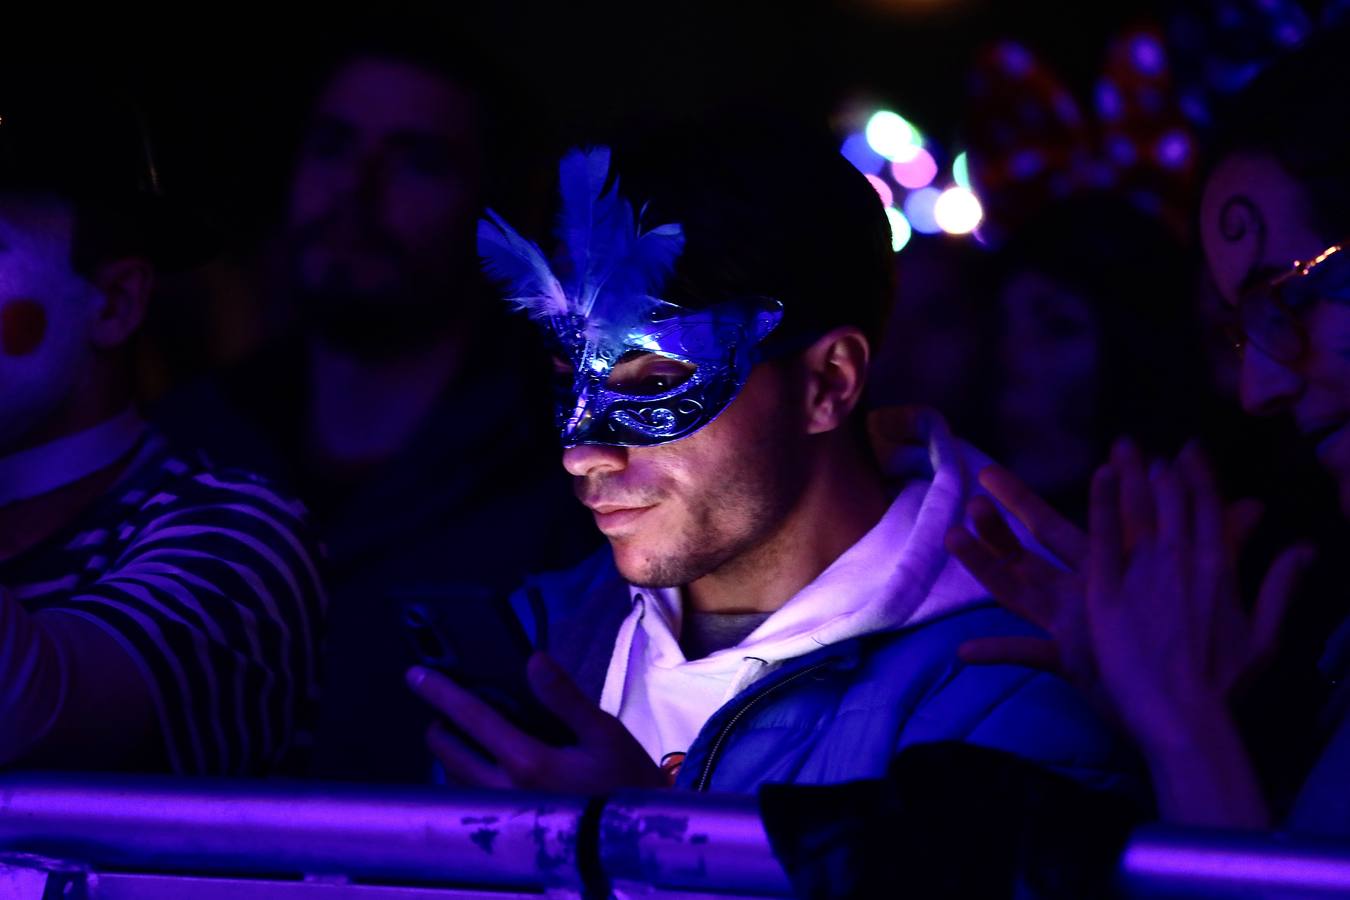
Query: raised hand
(1168, 629)
(1021, 579)
(1054, 597)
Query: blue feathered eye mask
(644, 371)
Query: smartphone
(475, 639)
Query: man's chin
(642, 568)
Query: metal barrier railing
(498, 843)
(1174, 862)
(116, 837)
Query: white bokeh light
(958, 211)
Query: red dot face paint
(23, 325)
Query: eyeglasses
(1270, 315)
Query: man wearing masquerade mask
(771, 608)
(154, 612)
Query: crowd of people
(767, 563)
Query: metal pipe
(655, 841)
(1172, 862)
(680, 840)
(412, 834)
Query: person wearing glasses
(1144, 615)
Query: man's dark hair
(769, 208)
(1298, 112)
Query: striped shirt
(208, 578)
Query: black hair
(769, 208)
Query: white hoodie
(898, 574)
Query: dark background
(222, 84)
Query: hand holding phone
(478, 643)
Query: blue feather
(614, 270)
(521, 267)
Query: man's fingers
(992, 527)
(1170, 499)
(1035, 653)
(1209, 565)
(1135, 497)
(472, 715)
(1275, 596)
(890, 429)
(990, 570)
(1105, 555)
(463, 765)
(1240, 521)
(1206, 506)
(560, 694)
(1060, 536)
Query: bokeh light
(957, 211)
(961, 170)
(900, 230)
(919, 209)
(883, 190)
(890, 135)
(909, 152)
(857, 151)
(917, 172)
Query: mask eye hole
(639, 374)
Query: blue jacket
(843, 712)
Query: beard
(729, 525)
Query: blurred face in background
(1049, 347)
(383, 203)
(1256, 221)
(930, 352)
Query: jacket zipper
(706, 774)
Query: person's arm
(63, 679)
(1202, 774)
(210, 618)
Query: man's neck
(844, 498)
(362, 411)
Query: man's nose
(1266, 385)
(583, 460)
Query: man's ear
(836, 371)
(124, 286)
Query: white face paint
(47, 314)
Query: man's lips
(611, 516)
